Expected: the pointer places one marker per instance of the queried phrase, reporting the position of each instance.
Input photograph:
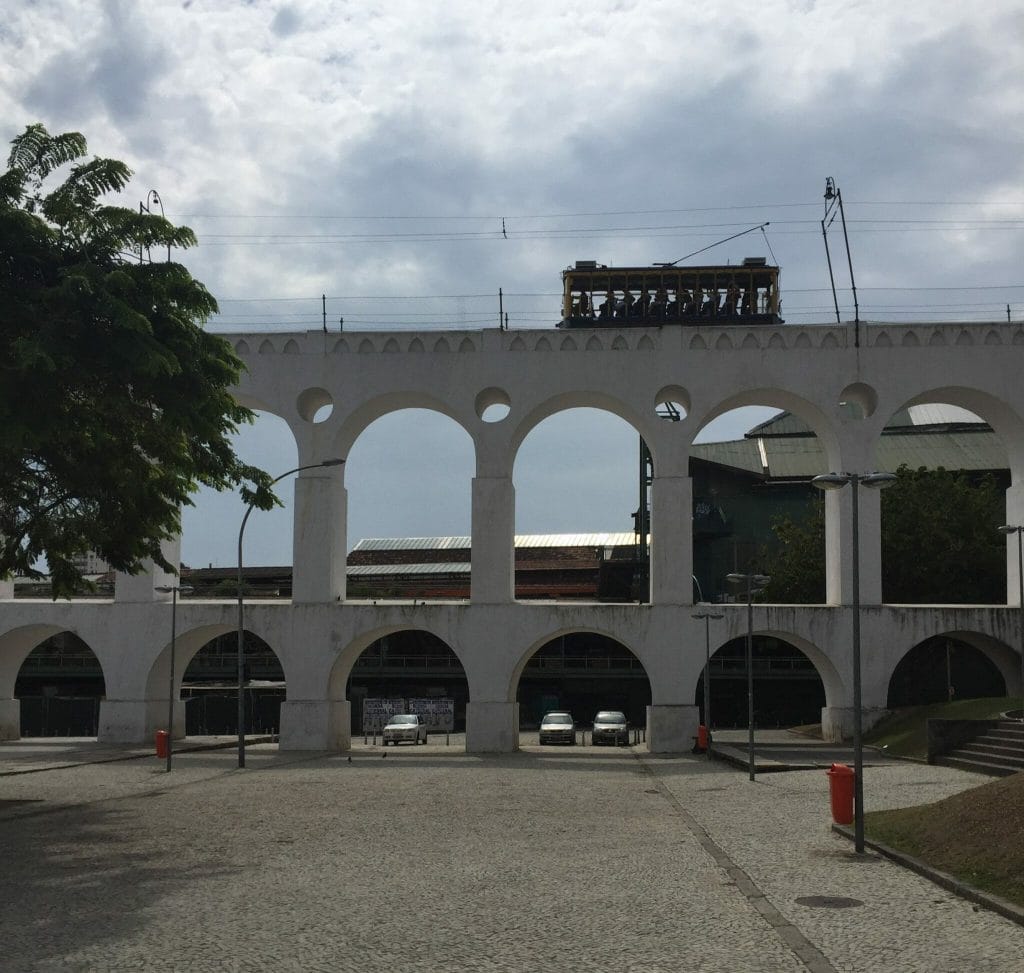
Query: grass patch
(977, 835)
(904, 732)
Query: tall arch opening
(788, 689)
(579, 485)
(408, 671)
(584, 673)
(950, 667)
(60, 686)
(409, 480)
(209, 687)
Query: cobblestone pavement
(550, 859)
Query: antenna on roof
(760, 226)
(834, 202)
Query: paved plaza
(550, 859)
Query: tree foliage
(114, 402)
(939, 543)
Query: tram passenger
(732, 298)
(607, 309)
(624, 309)
(710, 308)
(643, 306)
(659, 306)
(696, 302)
(749, 300)
(766, 307)
(583, 306)
(681, 303)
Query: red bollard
(162, 736)
(702, 738)
(840, 787)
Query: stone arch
(581, 633)
(594, 344)
(645, 344)
(372, 409)
(291, 347)
(340, 347)
(697, 343)
(803, 341)
(517, 344)
(829, 341)
(391, 346)
(441, 346)
(241, 348)
(266, 347)
(775, 341)
(579, 400)
(964, 339)
(724, 343)
(883, 340)
(347, 656)
(466, 345)
(620, 344)
(992, 338)
(750, 342)
(366, 347)
(910, 340)
(568, 344)
(544, 345)
(919, 674)
(416, 345)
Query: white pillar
(1014, 517)
(493, 544)
(671, 728)
(316, 724)
(318, 546)
(839, 545)
(10, 719)
(492, 727)
(672, 540)
(142, 587)
(7, 589)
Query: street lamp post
(173, 589)
(241, 608)
(752, 583)
(706, 614)
(1019, 531)
(836, 481)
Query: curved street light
(173, 589)
(241, 609)
(752, 583)
(1019, 531)
(836, 481)
(707, 615)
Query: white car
(557, 727)
(406, 726)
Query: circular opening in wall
(493, 405)
(859, 400)
(315, 405)
(672, 403)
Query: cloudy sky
(372, 151)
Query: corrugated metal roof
(459, 567)
(521, 540)
(800, 456)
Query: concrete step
(1007, 757)
(978, 767)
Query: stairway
(998, 750)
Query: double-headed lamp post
(1019, 531)
(241, 607)
(706, 614)
(752, 583)
(173, 589)
(836, 481)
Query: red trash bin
(702, 738)
(162, 736)
(840, 788)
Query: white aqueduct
(319, 634)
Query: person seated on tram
(766, 300)
(710, 308)
(607, 309)
(749, 301)
(696, 301)
(659, 305)
(624, 309)
(732, 298)
(643, 306)
(582, 309)
(681, 303)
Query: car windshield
(402, 719)
(609, 716)
(558, 718)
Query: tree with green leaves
(939, 543)
(115, 404)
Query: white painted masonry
(319, 634)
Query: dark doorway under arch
(583, 672)
(60, 686)
(942, 669)
(787, 688)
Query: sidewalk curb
(994, 903)
(193, 748)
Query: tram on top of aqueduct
(597, 296)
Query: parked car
(406, 726)
(557, 727)
(610, 726)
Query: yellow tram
(597, 296)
